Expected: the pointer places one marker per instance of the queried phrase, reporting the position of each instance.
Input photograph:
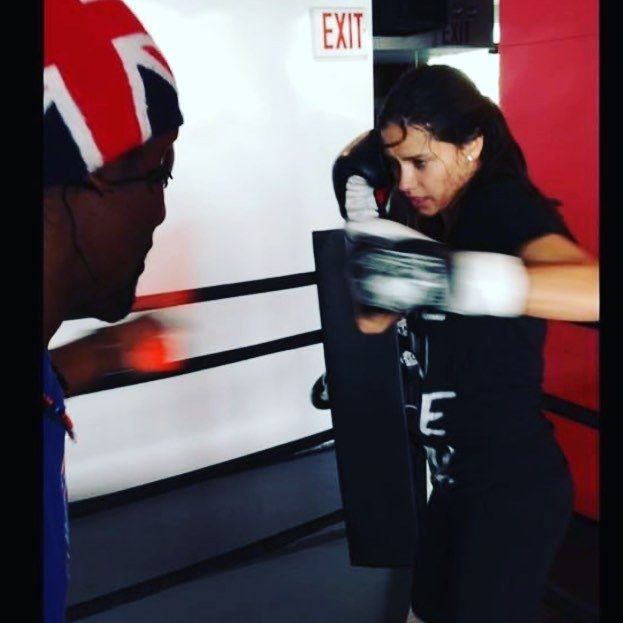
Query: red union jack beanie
(106, 87)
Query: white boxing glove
(357, 173)
(396, 268)
(487, 284)
(360, 203)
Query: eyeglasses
(159, 176)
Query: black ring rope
(555, 597)
(225, 291)
(270, 456)
(567, 409)
(175, 298)
(204, 568)
(571, 411)
(564, 602)
(205, 362)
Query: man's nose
(161, 214)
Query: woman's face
(430, 173)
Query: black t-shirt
(476, 389)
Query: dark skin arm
(85, 361)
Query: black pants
(485, 554)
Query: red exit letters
(342, 31)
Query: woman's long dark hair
(445, 102)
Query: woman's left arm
(564, 280)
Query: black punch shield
(367, 408)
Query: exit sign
(470, 23)
(340, 32)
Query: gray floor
(309, 581)
(148, 538)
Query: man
(111, 116)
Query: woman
(502, 493)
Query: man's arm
(113, 349)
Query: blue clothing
(55, 523)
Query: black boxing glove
(361, 180)
(320, 393)
(396, 268)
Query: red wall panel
(530, 21)
(572, 364)
(580, 445)
(549, 64)
(550, 101)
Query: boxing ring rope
(213, 360)
(229, 290)
(317, 442)
(566, 409)
(205, 568)
(270, 456)
(571, 411)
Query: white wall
(264, 120)
(482, 67)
